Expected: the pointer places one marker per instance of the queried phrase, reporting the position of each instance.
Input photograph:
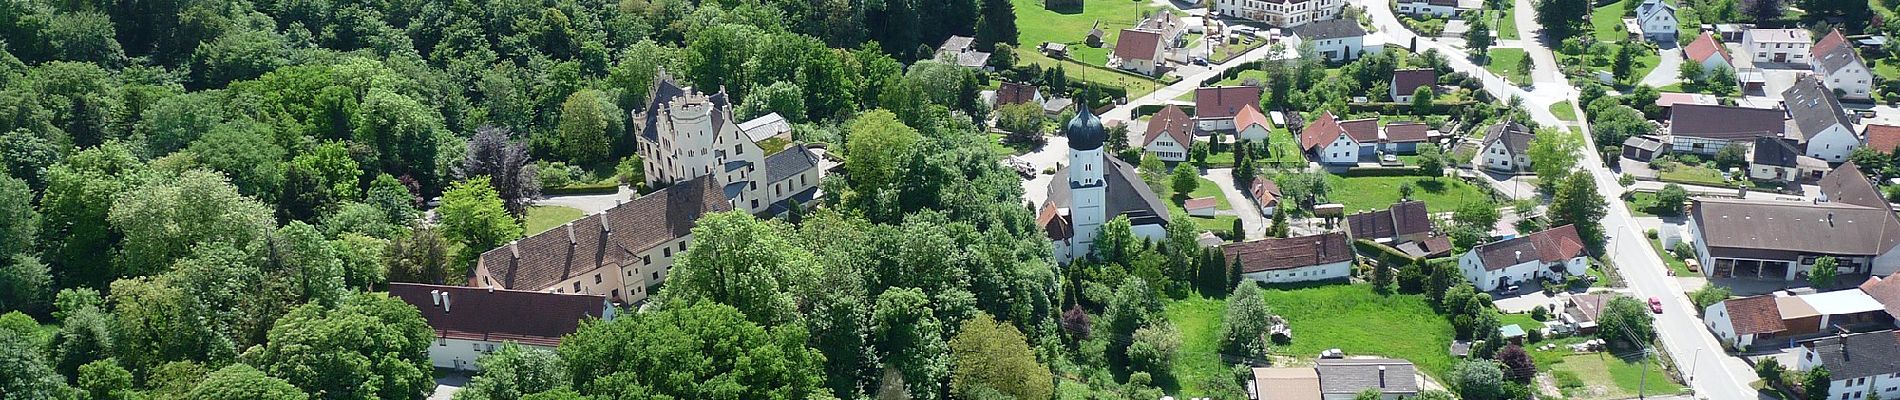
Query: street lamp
(1696, 363)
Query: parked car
(1655, 305)
(1200, 61)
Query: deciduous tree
(503, 165)
(242, 382)
(473, 215)
(512, 372)
(690, 351)
(740, 261)
(370, 346)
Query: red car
(1655, 305)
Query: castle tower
(1087, 188)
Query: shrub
(1650, 233)
(1540, 313)
(1685, 251)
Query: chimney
(435, 297)
(1830, 218)
(1382, 376)
(1517, 255)
(514, 250)
(491, 289)
(570, 234)
(445, 302)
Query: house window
(596, 279)
(616, 292)
(666, 252)
(682, 246)
(656, 276)
(577, 287)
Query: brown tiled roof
(1828, 43)
(1015, 93)
(1882, 138)
(1250, 115)
(1848, 185)
(1264, 190)
(1284, 383)
(1404, 218)
(1223, 101)
(1173, 122)
(1549, 246)
(1589, 306)
(1411, 217)
(1407, 132)
(605, 239)
(1886, 290)
(1753, 315)
(1725, 122)
(1364, 130)
(1322, 131)
(1286, 253)
(1705, 46)
(1199, 203)
(1407, 81)
(1134, 44)
(535, 318)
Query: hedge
(1383, 253)
(1151, 109)
(609, 187)
(1391, 108)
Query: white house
(1325, 256)
(1092, 188)
(1266, 194)
(1778, 45)
(1138, 50)
(1280, 13)
(1745, 322)
(1860, 364)
(1657, 18)
(1780, 160)
(685, 134)
(1507, 147)
(1849, 221)
(1710, 53)
(1215, 107)
(470, 322)
(1825, 128)
(1434, 8)
(1336, 40)
(1841, 67)
(1548, 255)
(1328, 142)
(1251, 125)
(1406, 82)
(1170, 133)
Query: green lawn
(1198, 320)
(1354, 319)
(1207, 188)
(1283, 150)
(1639, 204)
(1504, 62)
(1379, 192)
(1136, 86)
(1671, 88)
(1036, 24)
(1238, 79)
(1507, 25)
(543, 218)
(1564, 111)
(1697, 174)
(1668, 257)
(1522, 320)
(1609, 377)
(1606, 23)
(1002, 149)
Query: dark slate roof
(1732, 227)
(1285, 253)
(1754, 315)
(1137, 44)
(1404, 218)
(1329, 29)
(1363, 130)
(1015, 93)
(1085, 131)
(1848, 185)
(472, 313)
(1350, 376)
(1813, 107)
(1857, 355)
(795, 159)
(1516, 136)
(1126, 194)
(1223, 101)
(665, 90)
(1775, 152)
(1407, 132)
(1553, 245)
(605, 239)
(1407, 81)
(1724, 122)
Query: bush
(1540, 313)
(1534, 335)
(1685, 251)
(583, 189)
(1650, 234)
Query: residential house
(1093, 187)
(1706, 129)
(1280, 13)
(1849, 221)
(1326, 256)
(471, 322)
(1668, 100)
(1174, 34)
(1337, 39)
(1745, 322)
(1284, 383)
(1860, 364)
(1406, 221)
(1170, 134)
(1881, 137)
(1328, 142)
(1657, 19)
(1406, 82)
(1581, 311)
(1824, 126)
(1778, 45)
(1018, 93)
(1266, 194)
(1548, 255)
(1886, 291)
(685, 134)
(961, 51)
(1710, 52)
(1215, 107)
(1507, 147)
(1346, 378)
(1428, 8)
(1643, 147)
(1251, 125)
(1139, 51)
(1404, 137)
(1841, 67)
(1781, 160)
(622, 253)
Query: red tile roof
(1883, 138)
(1134, 44)
(1015, 93)
(535, 318)
(605, 240)
(1322, 131)
(1407, 81)
(1250, 115)
(1286, 253)
(1364, 130)
(1886, 290)
(1173, 122)
(1753, 315)
(1705, 46)
(1827, 43)
(1200, 203)
(1264, 190)
(1224, 101)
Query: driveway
(1056, 151)
(589, 204)
(1250, 218)
(1668, 71)
(449, 383)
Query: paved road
(1250, 217)
(1668, 71)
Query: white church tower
(1087, 205)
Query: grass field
(1563, 110)
(1639, 204)
(1071, 26)
(1606, 376)
(1675, 264)
(1206, 189)
(543, 218)
(1504, 62)
(1354, 319)
(1522, 320)
(1198, 319)
(1379, 192)
(1284, 151)
(1507, 26)
(1696, 174)
(1606, 23)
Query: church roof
(1125, 195)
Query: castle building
(686, 134)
